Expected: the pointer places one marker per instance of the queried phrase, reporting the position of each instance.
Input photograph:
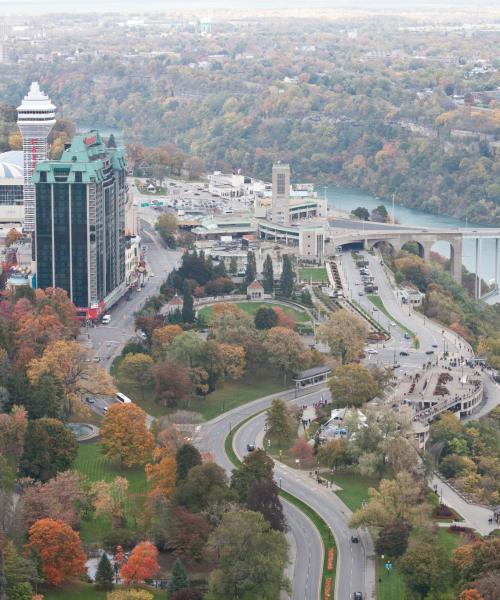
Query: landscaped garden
(313, 275)
(251, 308)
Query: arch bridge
(369, 234)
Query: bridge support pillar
(456, 259)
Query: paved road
(356, 566)
(353, 574)
(107, 341)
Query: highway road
(353, 561)
(356, 569)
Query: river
(345, 199)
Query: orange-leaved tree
(162, 474)
(125, 436)
(59, 549)
(142, 564)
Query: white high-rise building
(281, 194)
(35, 119)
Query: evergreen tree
(179, 578)
(187, 457)
(268, 275)
(265, 318)
(251, 270)
(233, 265)
(47, 399)
(188, 314)
(104, 574)
(111, 141)
(286, 279)
(220, 269)
(305, 297)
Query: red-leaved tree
(59, 549)
(142, 564)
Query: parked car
(430, 352)
(404, 353)
(371, 351)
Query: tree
(244, 539)
(361, 213)
(268, 275)
(393, 538)
(172, 382)
(425, 568)
(303, 451)
(60, 498)
(66, 362)
(20, 572)
(13, 429)
(141, 565)
(136, 368)
(104, 574)
(263, 497)
(178, 578)
(233, 359)
(284, 319)
(305, 297)
(167, 227)
(49, 448)
(380, 214)
(187, 457)
(47, 398)
(204, 485)
(59, 549)
(251, 268)
(125, 436)
(286, 279)
(162, 476)
(399, 499)
(189, 534)
(477, 559)
(188, 313)
(471, 594)
(12, 237)
(334, 454)
(233, 265)
(352, 385)
(280, 423)
(256, 466)
(445, 428)
(265, 318)
(110, 497)
(111, 143)
(345, 335)
(285, 349)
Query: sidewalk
(474, 515)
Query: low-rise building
(255, 291)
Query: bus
(123, 399)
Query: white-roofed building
(11, 187)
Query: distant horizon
(26, 7)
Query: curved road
(355, 564)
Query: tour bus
(123, 399)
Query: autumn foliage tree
(189, 533)
(141, 565)
(125, 436)
(59, 548)
(162, 475)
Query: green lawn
(85, 591)
(392, 587)
(95, 466)
(235, 393)
(354, 488)
(230, 395)
(377, 301)
(252, 307)
(316, 274)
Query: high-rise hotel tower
(80, 224)
(35, 119)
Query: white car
(371, 351)
(106, 320)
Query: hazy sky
(42, 6)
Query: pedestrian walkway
(474, 515)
